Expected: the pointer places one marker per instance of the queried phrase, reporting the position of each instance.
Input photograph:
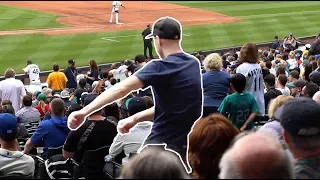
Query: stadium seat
(93, 163)
(54, 151)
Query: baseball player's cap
(166, 28)
(29, 62)
(71, 61)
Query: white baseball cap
(308, 45)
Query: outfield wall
(263, 45)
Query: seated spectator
(81, 89)
(12, 160)
(272, 92)
(112, 110)
(209, 139)
(294, 76)
(113, 81)
(215, 84)
(95, 127)
(6, 102)
(42, 107)
(149, 164)
(310, 89)
(28, 113)
(316, 96)
(73, 107)
(256, 156)
(130, 143)
(292, 61)
(301, 133)
(35, 100)
(307, 71)
(273, 113)
(47, 92)
(296, 88)
(240, 106)
(271, 70)
(315, 77)
(22, 130)
(282, 81)
(149, 101)
(52, 132)
(65, 95)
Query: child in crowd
(241, 107)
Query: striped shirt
(308, 168)
(28, 114)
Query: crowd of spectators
(259, 118)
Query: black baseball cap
(29, 62)
(71, 61)
(166, 28)
(89, 98)
(136, 104)
(300, 117)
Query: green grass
(261, 22)
(12, 18)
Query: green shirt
(239, 106)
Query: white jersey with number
(33, 70)
(116, 5)
(255, 85)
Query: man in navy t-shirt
(176, 84)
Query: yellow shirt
(305, 52)
(57, 81)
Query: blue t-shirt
(215, 87)
(71, 76)
(176, 84)
(52, 132)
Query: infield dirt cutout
(93, 16)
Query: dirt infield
(93, 16)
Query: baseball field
(53, 32)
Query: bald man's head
(256, 156)
(316, 96)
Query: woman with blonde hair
(215, 84)
(251, 69)
(274, 112)
(292, 61)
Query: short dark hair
(57, 107)
(140, 58)
(270, 79)
(104, 74)
(112, 110)
(113, 81)
(268, 64)
(8, 137)
(224, 57)
(6, 102)
(238, 82)
(55, 67)
(27, 100)
(82, 82)
(295, 74)
(282, 79)
(8, 108)
(310, 89)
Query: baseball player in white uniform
(115, 10)
(33, 71)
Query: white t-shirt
(116, 5)
(13, 90)
(15, 162)
(285, 91)
(255, 85)
(122, 68)
(292, 63)
(33, 70)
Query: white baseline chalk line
(107, 39)
(136, 35)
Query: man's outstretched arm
(118, 91)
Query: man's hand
(125, 125)
(75, 119)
